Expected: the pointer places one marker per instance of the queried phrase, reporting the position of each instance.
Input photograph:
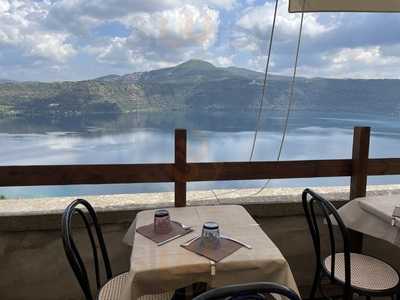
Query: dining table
(158, 269)
(373, 215)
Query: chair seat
(113, 288)
(367, 272)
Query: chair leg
(180, 294)
(199, 288)
(348, 296)
(316, 283)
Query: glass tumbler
(210, 237)
(162, 222)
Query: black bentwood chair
(356, 273)
(249, 291)
(112, 289)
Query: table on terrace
(372, 215)
(157, 269)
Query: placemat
(148, 231)
(226, 248)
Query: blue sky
(79, 39)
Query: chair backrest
(311, 202)
(71, 251)
(255, 291)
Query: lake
(222, 136)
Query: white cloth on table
(157, 269)
(372, 215)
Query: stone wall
(33, 264)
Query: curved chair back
(256, 291)
(71, 251)
(311, 202)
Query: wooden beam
(265, 170)
(85, 174)
(144, 173)
(180, 167)
(384, 166)
(358, 185)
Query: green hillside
(193, 85)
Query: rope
(291, 98)
(260, 109)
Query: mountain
(111, 77)
(2, 80)
(194, 85)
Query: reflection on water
(148, 138)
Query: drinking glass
(162, 221)
(210, 237)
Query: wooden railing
(180, 172)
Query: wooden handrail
(85, 174)
(147, 173)
(268, 170)
(383, 166)
(181, 172)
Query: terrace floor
(33, 261)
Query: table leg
(190, 292)
(356, 239)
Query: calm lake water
(148, 138)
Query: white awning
(344, 5)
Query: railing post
(180, 167)
(359, 175)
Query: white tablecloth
(157, 269)
(373, 216)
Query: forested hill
(194, 85)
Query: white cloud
(50, 45)
(369, 56)
(42, 36)
(105, 10)
(158, 32)
(4, 6)
(225, 4)
(162, 38)
(360, 62)
(180, 27)
(333, 45)
(115, 51)
(223, 61)
(253, 27)
(246, 42)
(20, 28)
(80, 16)
(258, 63)
(257, 21)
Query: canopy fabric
(344, 6)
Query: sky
(51, 40)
